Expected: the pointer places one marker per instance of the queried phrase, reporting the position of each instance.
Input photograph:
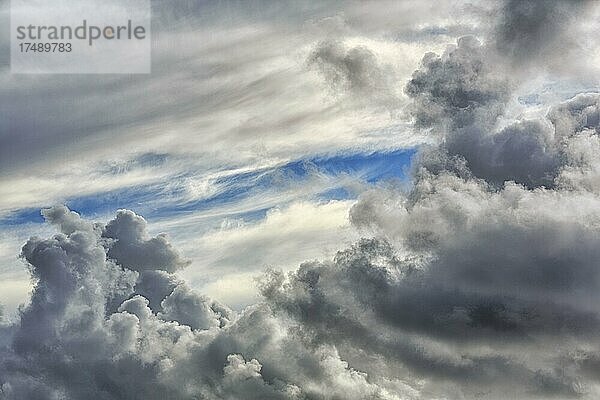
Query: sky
(310, 200)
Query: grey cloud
(482, 277)
(198, 312)
(130, 246)
(71, 343)
(460, 97)
(436, 32)
(69, 265)
(481, 280)
(218, 68)
(358, 302)
(354, 71)
(495, 243)
(450, 310)
(457, 87)
(155, 285)
(576, 115)
(525, 152)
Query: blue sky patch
(162, 200)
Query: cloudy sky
(310, 200)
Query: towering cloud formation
(482, 281)
(133, 249)
(108, 324)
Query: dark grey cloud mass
(71, 344)
(481, 281)
(354, 72)
(530, 29)
(459, 88)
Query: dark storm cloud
(481, 281)
(529, 28)
(359, 301)
(458, 87)
(460, 96)
(524, 152)
(59, 266)
(71, 343)
(491, 278)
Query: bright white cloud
(286, 237)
